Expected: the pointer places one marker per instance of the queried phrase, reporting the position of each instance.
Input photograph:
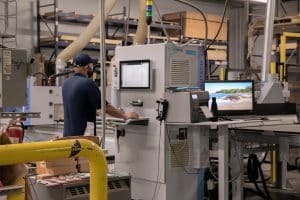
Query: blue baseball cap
(82, 60)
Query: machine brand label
(75, 149)
(7, 64)
(190, 52)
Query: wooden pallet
(279, 22)
(194, 26)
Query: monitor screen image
(135, 74)
(231, 95)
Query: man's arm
(114, 112)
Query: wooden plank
(56, 171)
(219, 47)
(217, 55)
(57, 163)
(156, 37)
(94, 139)
(71, 38)
(10, 187)
(84, 166)
(93, 40)
(287, 46)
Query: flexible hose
(202, 14)
(220, 27)
(254, 170)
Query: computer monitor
(135, 74)
(233, 97)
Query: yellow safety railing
(28, 152)
(283, 40)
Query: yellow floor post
(273, 165)
(222, 73)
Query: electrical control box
(181, 66)
(185, 107)
(13, 74)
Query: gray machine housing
(184, 107)
(145, 151)
(13, 74)
(118, 188)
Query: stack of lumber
(67, 165)
(56, 167)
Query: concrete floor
(293, 193)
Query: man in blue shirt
(82, 97)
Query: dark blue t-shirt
(81, 98)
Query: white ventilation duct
(141, 32)
(84, 38)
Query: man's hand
(119, 113)
(131, 115)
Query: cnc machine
(159, 157)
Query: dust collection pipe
(141, 32)
(28, 152)
(92, 29)
(83, 39)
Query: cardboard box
(193, 25)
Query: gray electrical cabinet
(13, 74)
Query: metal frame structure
(28, 152)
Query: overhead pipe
(141, 32)
(83, 39)
(37, 151)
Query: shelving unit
(115, 33)
(8, 18)
(116, 23)
(13, 189)
(65, 40)
(53, 31)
